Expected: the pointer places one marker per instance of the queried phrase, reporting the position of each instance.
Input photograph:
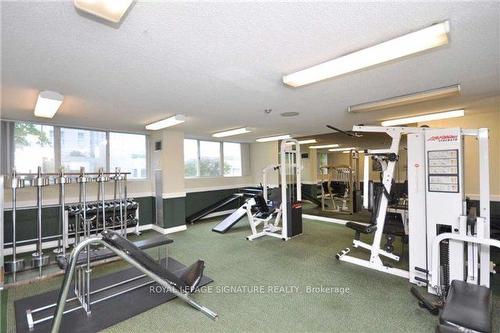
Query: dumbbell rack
(77, 221)
(93, 212)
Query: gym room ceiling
(224, 62)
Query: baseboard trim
(173, 195)
(167, 231)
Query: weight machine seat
(261, 204)
(394, 224)
(364, 229)
(467, 307)
(263, 215)
(338, 188)
(325, 187)
(186, 281)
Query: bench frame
(85, 298)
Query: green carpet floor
(371, 302)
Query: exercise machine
(247, 196)
(335, 187)
(446, 243)
(279, 211)
(233, 218)
(236, 197)
(340, 186)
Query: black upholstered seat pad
(468, 306)
(365, 229)
(147, 261)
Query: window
(51, 147)
(34, 146)
(204, 159)
(191, 158)
(209, 159)
(232, 159)
(322, 159)
(128, 151)
(83, 148)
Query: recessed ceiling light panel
(324, 146)
(274, 138)
(418, 97)
(48, 103)
(236, 131)
(111, 10)
(425, 117)
(303, 142)
(289, 114)
(172, 121)
(415, 42)
(343, 149)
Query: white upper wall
(263, 154)
(221, 63)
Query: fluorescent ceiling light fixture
(418, 97)
(348, 151)
(425, 117)
(343, 149)
(304, 142)
(111, 10)
(172, 121)
(421, 40)
(48, 103)
(274, 138)
(236, 131)
(324, 146)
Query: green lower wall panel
(146, 210)
(311, 189)
(197, 201)
(3, 310)
(26, 226)
(174, 212)
(26, 223)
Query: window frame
(221, 159)
(56, 157)
(197, 160)
(58, 146)
(148, 155)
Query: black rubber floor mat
(106, 313)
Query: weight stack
(294, 223)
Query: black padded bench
(188, 281)
(468, 308)
(103, 254)
(361, 228)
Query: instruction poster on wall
(443, 171)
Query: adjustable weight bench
(178, 283)
(187, 282)
(103, 254)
